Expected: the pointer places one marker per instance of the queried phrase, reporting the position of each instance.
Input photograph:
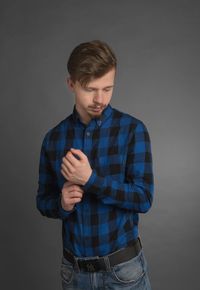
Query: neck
(83, 117)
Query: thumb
(78, 154)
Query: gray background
(157, 44)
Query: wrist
(88, 177)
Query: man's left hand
(74, 170)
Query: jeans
(130, 275)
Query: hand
(71, 194)
(74, 170)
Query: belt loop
(107, 263)
(140, 242)
(76, 265)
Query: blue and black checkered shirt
(121, 185)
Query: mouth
(97, 108)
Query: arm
(136, 193)
(48, 195)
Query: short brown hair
(90, 60)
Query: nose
(98, 97)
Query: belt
(104, 263)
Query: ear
(70, 84)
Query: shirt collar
(105, 114)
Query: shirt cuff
(90, 182)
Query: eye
(88, 89)
(107, 89)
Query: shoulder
(136, 128)
(57, 132)
(127, 119)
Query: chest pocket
(109, 153)
(110, 164)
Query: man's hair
(90, 60)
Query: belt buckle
(90, 265)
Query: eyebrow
(107, 87)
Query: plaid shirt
(120, 187)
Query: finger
(70, 195)
(80, 190)
(76, 194)
(75, 188)
(67, 184)
(66, 166)
(79, 153)
(65, 169)
(72, 159)
(66, 160)
(75, 200)
(64, 174)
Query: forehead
(105, 80)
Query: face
(92, 100)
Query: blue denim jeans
(130, 275)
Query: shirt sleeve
(48, 197)
(136, 193)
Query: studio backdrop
(157, 44)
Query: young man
(96, 176)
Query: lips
(96, 109)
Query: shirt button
(99, 123)
(88, 134)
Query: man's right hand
(71, 194)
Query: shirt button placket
(87, 142)
(87, 147)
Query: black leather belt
(104, 263)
